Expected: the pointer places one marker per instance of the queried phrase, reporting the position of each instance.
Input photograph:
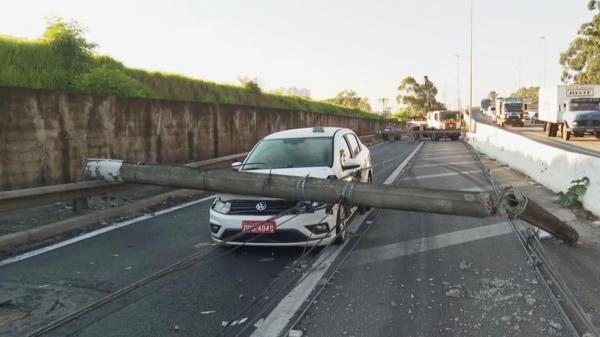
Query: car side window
(344, 150)
(353, 144)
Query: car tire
(341, 222)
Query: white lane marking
(445, 174)
(99, 231)
(446, 164)
(402, 166)
(280, 317)
(416, 246)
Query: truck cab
(444, 120)
(580, 116)
(509, 112)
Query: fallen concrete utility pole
(307, 188)
(518, 205)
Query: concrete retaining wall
(549, 166)
(46, 135)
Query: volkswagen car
(320, 152)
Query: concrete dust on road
(418, 274)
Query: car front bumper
(290, 229)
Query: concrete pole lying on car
(298, 188)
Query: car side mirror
(236, 166)
(351, 163)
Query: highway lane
(587, 145)
(418, 274)
(193, 301)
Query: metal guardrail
(38, 196)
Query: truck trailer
(574, 110)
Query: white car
(320, 152)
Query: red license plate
(261, 227)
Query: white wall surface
(549, 166)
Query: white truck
(444, 121)
(574, 110)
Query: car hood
(315, 172)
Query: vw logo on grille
(261, 206)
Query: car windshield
(516, 107)
(291, 152)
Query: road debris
(464, 266)
(295, 333)
(208, 312)
(456, 293)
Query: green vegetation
(581, 61)
(570, 198)
(419, 98)
(63, 59)
(531, 93)
(349, 99)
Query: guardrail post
(80, 205)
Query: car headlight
(221, 206)
(575, 123)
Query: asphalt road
(418, 274)
(193, 301)
(585, 145)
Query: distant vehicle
(490, 111)
(416, 122)
(574, 110)
(485, 104)
(444, 120)
(509, 111)
(391, 132)
(320, 152)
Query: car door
(356, 151)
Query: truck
(444, 120)
(509, 111)
(574, 110)
(485, 104)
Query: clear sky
(325, 46)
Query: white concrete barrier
(547, 165)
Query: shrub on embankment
(62, 59)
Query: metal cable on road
(544, 266)
(183, 263)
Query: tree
(581, 61)
(531, 93)
(252, 85)
(350, 99)
(401, 115)
(67, 38)
(418, 97)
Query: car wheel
(341, 222)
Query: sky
(326, 46)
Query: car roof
(305, 132)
